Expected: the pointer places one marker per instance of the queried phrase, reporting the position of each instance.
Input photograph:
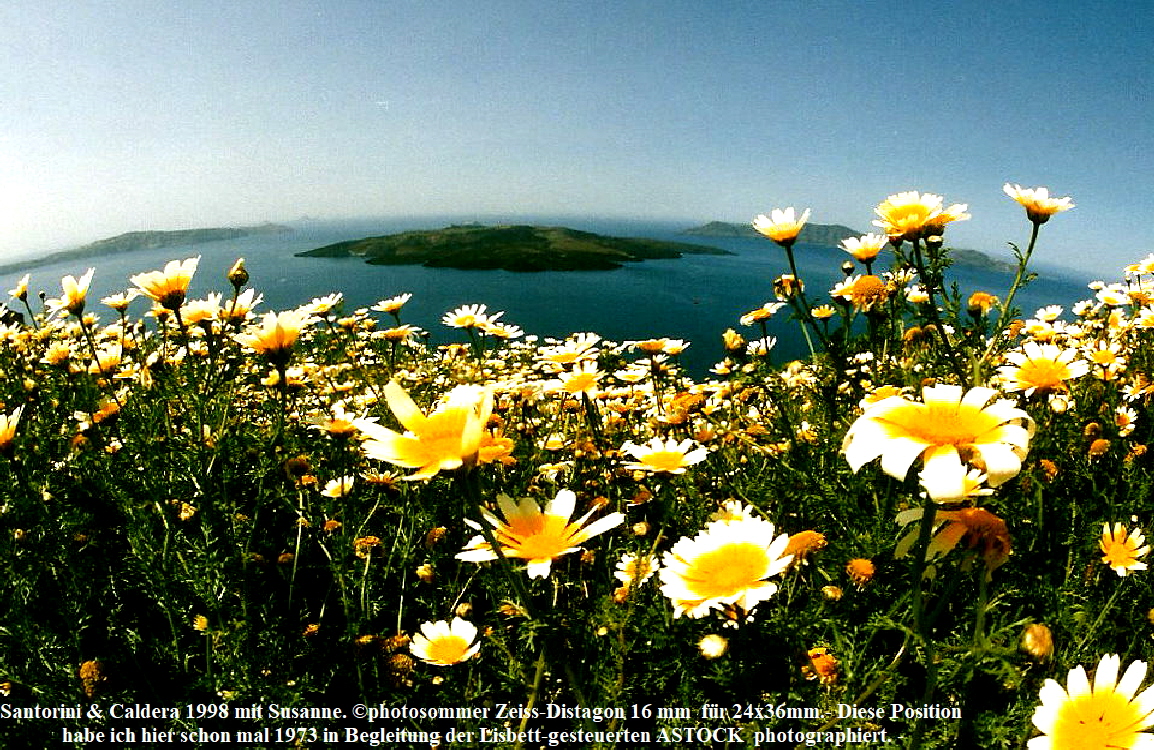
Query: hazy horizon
(135, 115)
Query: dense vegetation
(318, 509)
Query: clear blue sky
(131, 114)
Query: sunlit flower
(469, 316)
(948, 419)
(863, 292)
(782, 225)
(1124, 419)
(952, 481)
(583, 378)
(860, 570)
(804, 543)
(761, 313)
(713, 646)
(75, 294)
(980, 303)
(1037, 202)
(1122, 550)
(916, 295)
(975, 528)
(1042, 368)
(905, 215)
(1107, 715)
(276, 336)
(237, 310)
(20, 292)
(447, 438)
(338, 488)
(8, 424)
(822, 666)
(761, 347)
(393, 304)
(445, 643)
(635, 569)
(167, 287)
(535, 535)
(201, 310)
(936, 224)
(866, 247)
(725, 564)
(669, 457)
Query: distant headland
(145, 240)
(509, 248)
(831, 235)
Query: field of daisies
(930, 528)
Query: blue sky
(123, 115)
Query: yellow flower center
(448, 649)
(1104, 720)
(728, 570)
(1043, 374)
(1119, 551)
(664, 461)
(537, 537)
(581, 382)
(947, 424)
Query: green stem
(1023, 261)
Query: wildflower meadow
(228, 526)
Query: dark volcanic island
(510, 248)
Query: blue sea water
(695, 297)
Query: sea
(694, 298)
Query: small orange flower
(861, 571)
(822, 666)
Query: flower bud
(1038, 641)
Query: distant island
(146, 240)
(509, 248)
(828, 235)
(831, 235)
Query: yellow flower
(939, 429)
(860, 570)
(392, 305)
(1042, 368)
(338, 488)
(977, 528)
(861, 291)
(535, 535)
(635, 569)
(1121, 550)
(728, 563)
(8, 424)
(761, 313)
(822, 666)
(804, 543)
(865, 247)
(1038, 641)
(21, 290)
(276, 336)
(448, 438)
(470, 316)
(713, 646)
(950, 482)
(168, 287)
(669, 457)
(1037, 202)
(980, 303)
(782, 225)
(905, 215)
(75, 294)
(445, 643)
(1104, 716)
